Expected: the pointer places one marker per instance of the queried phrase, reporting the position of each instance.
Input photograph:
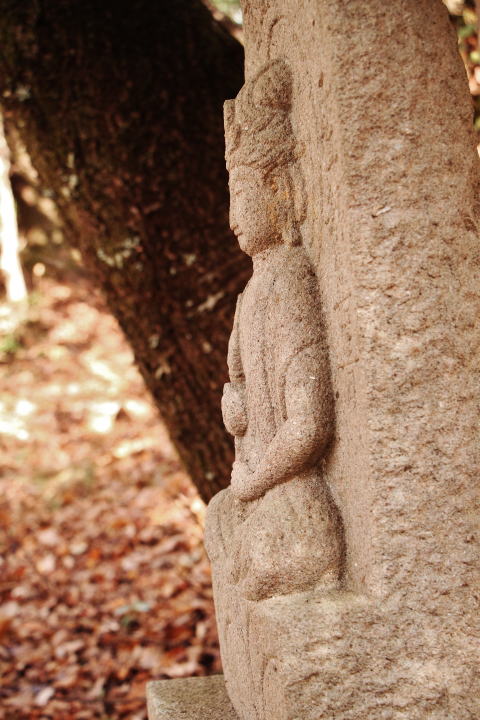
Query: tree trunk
(120, 107)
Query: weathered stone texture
(389, 175)
(189, 699)
(277, 530)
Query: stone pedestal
(189, 699)
(343, 656)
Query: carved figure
(276, 530)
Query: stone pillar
(346, 553)
(381, 116)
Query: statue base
(198, 698)
(317, 656)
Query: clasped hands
(243, 482)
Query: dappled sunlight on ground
(104, 582)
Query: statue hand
(234, 408)
(242, 482)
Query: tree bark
(120, 107)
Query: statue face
(255, 216)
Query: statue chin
(251, 245)
(246, 244)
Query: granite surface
(189, 699)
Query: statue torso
(276, 319)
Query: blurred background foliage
(465, 15)
(230, 8)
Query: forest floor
(104, 582)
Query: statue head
(265, 180)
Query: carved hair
(258, 135)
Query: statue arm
(234, 358)
(304, 435)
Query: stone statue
(276, 530)
(386, 623)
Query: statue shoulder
(295, 313)
(296, 285)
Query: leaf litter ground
(104, 582)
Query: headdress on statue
(258, 132)
(258, 135)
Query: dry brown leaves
(104, 583)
